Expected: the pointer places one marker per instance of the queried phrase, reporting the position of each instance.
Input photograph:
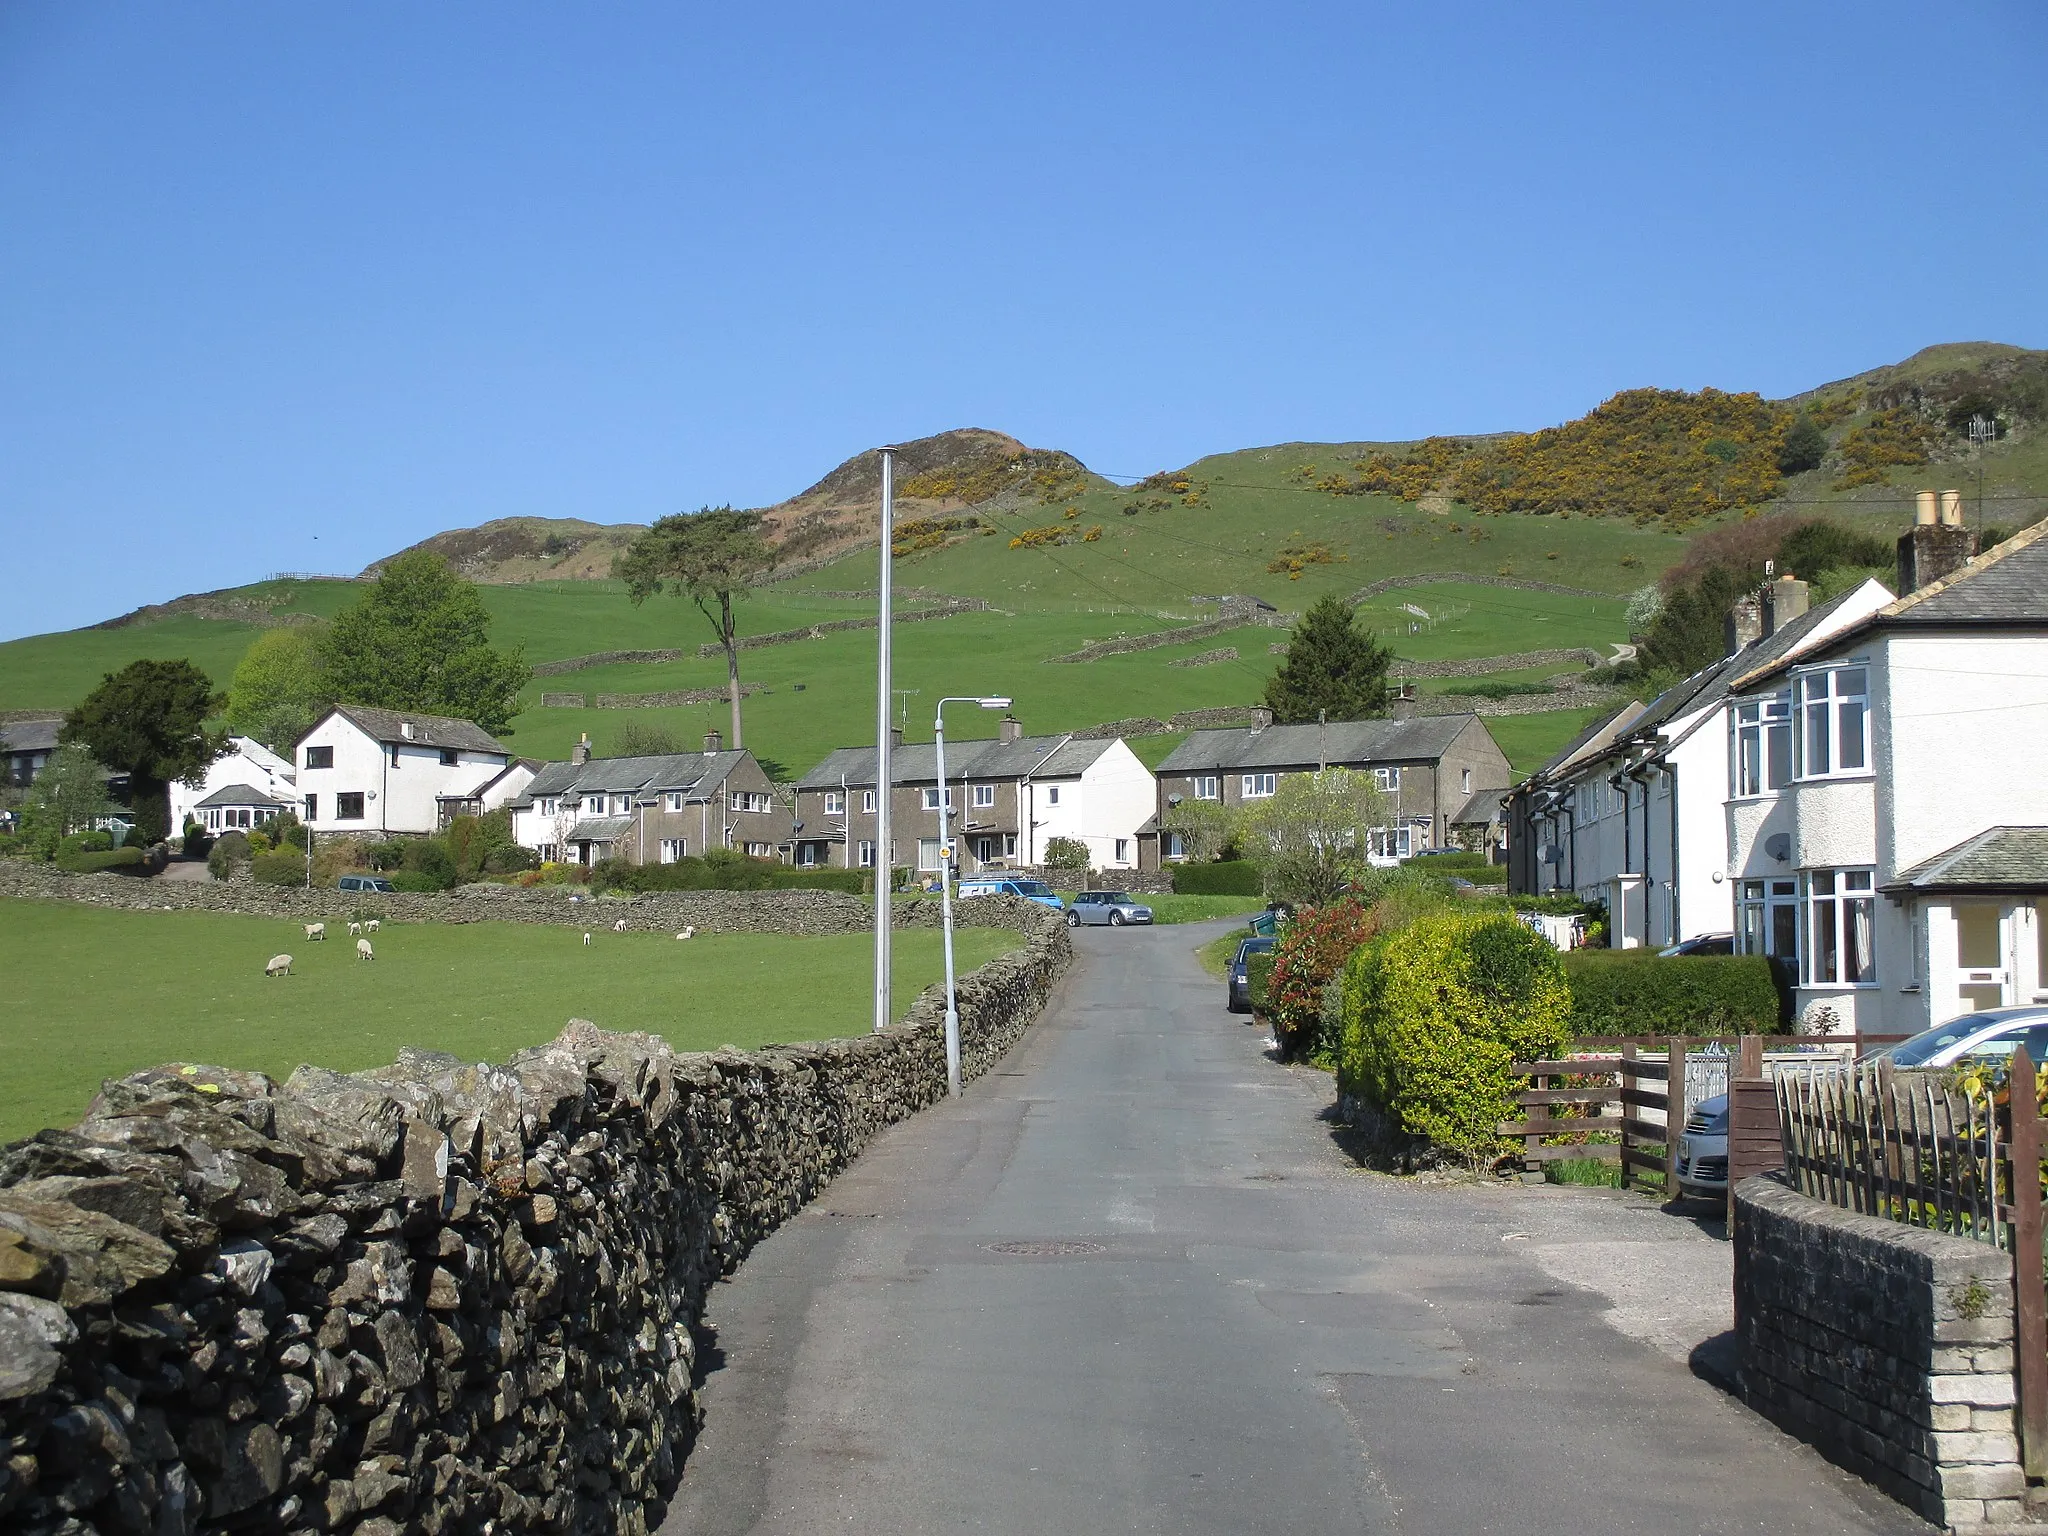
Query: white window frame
(867, 802)
(1259, 786)
(1052, 794)
(1760, 745)
(867, 853)
(549, 852)
(758, 850)
(984, 796)
(1831, 717)
(1838, 911)
(1209, 787)
(1123, 850)
(673, 849)
(673, 800)
(1394, 843)
(1388, 779)
(927, 848)
(1759, 905)
(835, 802)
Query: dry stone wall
(438, 1297)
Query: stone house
(1009, 798)
(656, 809)
(25, 745)
(1429, 766)
(1894, 847)
(383, 772)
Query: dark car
(1703, 944)
(1239, 998)
(365, 884)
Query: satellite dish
(1552, 854)
(1779, 846)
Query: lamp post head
(993, 703)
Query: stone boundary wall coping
(434, 1297)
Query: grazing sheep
(363, 950)
(316, 930)
(687, 933)
(619, 926)
(280, 965)
(586, 941)
(355, 930)
(371, 925)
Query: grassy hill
(1065, 559)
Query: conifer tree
(1334, 669)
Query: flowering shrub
(1312, 949)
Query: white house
(244, 788)
(1893, 845)
(1635, 816)
(391, 771)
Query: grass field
(93, 994)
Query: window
(1388, 779)
(1123, 850)
(550, 807)
(867, 854)
(672, 849)
(394, 754)
(931, 798)
(319, 757)
(1389, 842)
(1210, 788)
(760, 851)
(1763, 745)
(1465, 780)
(867, 802)
(751, 800)
(348, 807)
(1052, 794)
(1767, 919)
(807, 855)
(450, 757)
(986, 848)
(312, 807)
(1834, 722)
(1838, 918)
(835, 802)
(984, 796)
(1257, 786)
(927, 853)
(549, 852)
(673, 800)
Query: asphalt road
(1130, 1283)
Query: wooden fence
(1604, 1095)
(1907, 1148)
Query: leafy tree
(1310, 838)
(1333, 667)
(641, 739)
(1805, 445)
(1204, 827)
(1690, 632)
(711, 556)
(1065, 853)
(419, 639)
(279, 688)
(69, 795)
(149, 721)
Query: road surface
(1131, 1283)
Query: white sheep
(688, 932)
(355, 930)
(619, 926)
(363, 950)
(586, 941)
(280, 965)
(316, 930)
(371, 925)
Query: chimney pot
(714, 740)
(1931, 551)
(1745, 623)
(1952, 509)
(1784, 600)
(1925, 513)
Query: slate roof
(1482, 809)
(694, 773)
(1996, 859)
(600, 829)
(383, 725)
(29, 735)
(1420, 738)
(1039, 757)
(240, 794)
(1598, 733)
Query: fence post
(1674, 1111)
(1625, 1075)
(1752, 1105)
(2030, 1306)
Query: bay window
(1838, 928)
(1834, 722)
(1767, 919)
(1763, 745)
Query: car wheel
(1116, 919)
(1073, 919)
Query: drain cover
(1057, 1248)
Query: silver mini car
(1110, 908)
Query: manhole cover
(1062, 1248)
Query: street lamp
(946, 885)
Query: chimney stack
(1402, 702)
(1261, 717)
(1784, 601)
(580, 753)
(1933, 550)
(1745, 623)
(1011, 730)
(895, 735)
(714, 740)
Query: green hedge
(1639, 992)
(1233, 877)
(281, 866)
(120, 861)
(728, 873)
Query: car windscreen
(1924, 1047)
(1033, 888)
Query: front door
(1983, 972)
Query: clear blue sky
(289, 286)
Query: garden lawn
(93, 994)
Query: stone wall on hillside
(810, 912)
(435, 1297)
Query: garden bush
(119, 861)
(1639, 992)
(1234, 877)
(510, 860)
(1066, 853)
(229, 849)
(85, 842)
(1435, 1015)
(198, 841)
(281, 866)
(387, 856)
(425, 856)
(721, 870)
(419, 881)
(1258, 981)
(1312, 949)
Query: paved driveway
(1129, 1283)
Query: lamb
(371, 925)
(355, 930)
(363, 950)
(280, 965)
(586, 941)
(316, 930)
(689, 932)
(619, 926)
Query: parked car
(1113, 908)
(1237, 996)
(1991, 1035)
(1703, 1150)
(1702, 944)
(1030, 890)
(373, 883)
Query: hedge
(1639, 992)
(119, 861)
(734, 873)
(281, 866)
(1233, 877)
(1435, 1014)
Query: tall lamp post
(885, 864)
(946, 884)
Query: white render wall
(1111, 799)
(250, 763)
(395, 799)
